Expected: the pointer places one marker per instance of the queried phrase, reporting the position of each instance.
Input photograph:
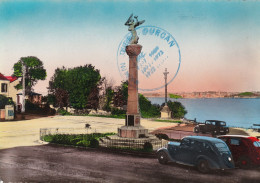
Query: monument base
(166, 112)
(132, 132)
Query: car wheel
(196, 130)
(162, 157)
(203, 166)
(244, 163)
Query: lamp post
(23, 99)
(165, 77)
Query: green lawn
(166, 120)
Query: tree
(147, 109)
(62, 97)
(178, 110)
(121, 94)
(108, 98)
(79, 82)
(34, 72)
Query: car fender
(167, 152)
(212, 164)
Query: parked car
(214, 127)
(206, 153)
(245, 149)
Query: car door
(184, 152)
(236, 147)
(208, 126)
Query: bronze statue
(132, 25)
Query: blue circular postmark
(160, 50)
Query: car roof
(215, 120)
(205, 138)
(241, 136)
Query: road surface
(49, 163)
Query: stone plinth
(132, 132)
(166, 113)
(132, 128)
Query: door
(184, 152)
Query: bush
(116, 111)
(94, 143)
(29, 106)
(147, 109)
(178, 110)
(5, 101)
(85, 140)
(63, 112)
(148, 146)
(162, 136)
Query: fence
(112, 141)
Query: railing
(113, 141)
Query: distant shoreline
(205, 95)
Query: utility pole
(165, 78)
(23, 99)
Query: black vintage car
(206, 153)
(214, 127)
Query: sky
(216, 46)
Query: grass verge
(166, 120)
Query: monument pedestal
(166, 112)
(132, 128)
(132, 132)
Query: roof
(11, 78)
(2, 77)
(31, 93)
(215, 120)
(204, 138)
(241, 136)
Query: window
(208, 123)
(235, 142)
(185, 142)
(3, 87)
(257, 144)
(204, 146)
(222, 147)
(222, 123)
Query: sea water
(237, 112)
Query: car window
(256, 144)
(209, 122)
(203, 146)
(235, 142)
(185, 142)
(222, 123)
(222, 147)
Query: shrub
(5, 101)
(148, 146)
(63, 112)
(162, 136)
(116, 111)
(31, 106)
(94, 143)
(147, 109)
(178, 110)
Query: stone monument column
(133, 114)
(132, 128)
